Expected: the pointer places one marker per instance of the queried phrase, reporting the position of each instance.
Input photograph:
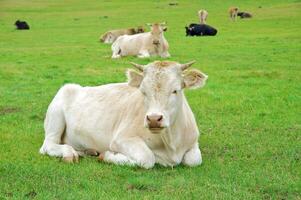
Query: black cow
(244, 15)
(21, 25)
(200, 30)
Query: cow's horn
(163, 23)
(139, 67)
(148, 24)
(186, 65)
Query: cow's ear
(134, 78)
(194, 79)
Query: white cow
(144, 121)
(203, 14)
(142, 45)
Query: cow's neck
(172, 136)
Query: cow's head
(157, 30)
(188, 30)
(162, 84)
(17, 22)
(109, 37)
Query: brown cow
(233, 13)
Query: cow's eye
(175, 92)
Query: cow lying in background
(111, 36)
(244, 15)
(203, 14)
(200, 30)
(144, 44)
(21, 25)
(142, 122)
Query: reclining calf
(144, 121)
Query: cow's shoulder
(70, 88)
(69, 91)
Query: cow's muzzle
(154, 122)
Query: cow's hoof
(116, 56)
(69, 154)
(143, 56)
(71, 159)
(101, 156)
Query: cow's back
(203, 29)
(132, 44)
(120, 32)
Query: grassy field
(249, 113)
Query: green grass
(249, 113)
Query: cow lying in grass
(200, 30)
(244, 15)
(143, 45)
(144, 121)
(21, 25)
(111, 36)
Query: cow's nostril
(154, 118)
(154, 121)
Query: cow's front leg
(143, 54)
(193, 157)
(114, 56)
(116, 52)
(131, 151)
(116, 158)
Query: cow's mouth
(156, 130)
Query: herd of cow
(137, 42)
(143, 121)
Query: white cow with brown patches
(144, 121)
(143, 45)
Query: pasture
(249, 112)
